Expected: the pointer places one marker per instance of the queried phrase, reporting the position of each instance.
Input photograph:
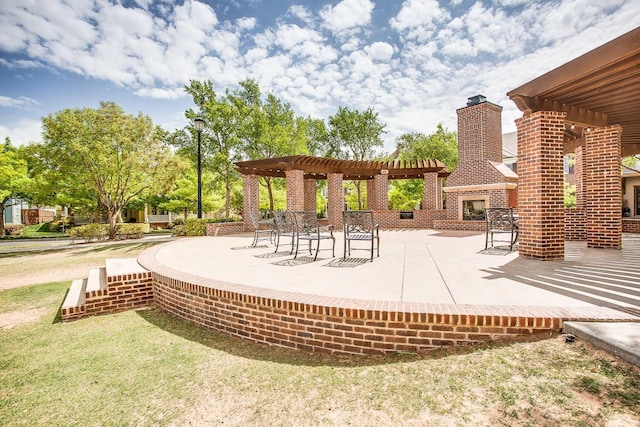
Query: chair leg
(344, 252)
(371, 249)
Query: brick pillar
(295, 190)
(541, 185)
(382, 191)
(335, 199)
(251, 199)
(603, 187)
(432, 185)
(310, 202)
(371, 194)
(579, 173)
(439, 195)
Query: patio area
(428, 288)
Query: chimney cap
(475, 100)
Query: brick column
(251, 199)
(371, 194)
(603, 187)
(295, 190)
(382, 191)
(431, 189)
(310, 202)
(335, 199)
(579, 173)
(541, 185)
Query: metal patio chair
(261, 227)
(501, 221)
(285, 226)
(359, 226)
(308, 228)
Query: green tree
(13, 176)
(107, 153)
(221, 142)
(355, 135)
(184, 196)
(441, 145)
(270, 128)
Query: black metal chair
(285, 226)
(261, 227)
(501, 221)
(359, 226)
(308, 228)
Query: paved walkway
(440, 267)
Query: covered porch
(591, 107)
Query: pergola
(589, 106)
(302, 172)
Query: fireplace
(473, 210)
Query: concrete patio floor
(448, 267)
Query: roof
(319, 167)
(599, 88)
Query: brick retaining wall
(342, 326)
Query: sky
(415, 62)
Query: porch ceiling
(599, 88)
(319, 167)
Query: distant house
(17, 211)
(13, 211)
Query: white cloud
(416, 15)
(22, 131)
(21, 101)
(346, 16)
(379, 51)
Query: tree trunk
(270, 191)
(2, 216)
(113, 218)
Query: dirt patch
(15, 318)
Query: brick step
(96, 282)
(76, 296)
(115, 267)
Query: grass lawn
(148, 368)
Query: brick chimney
(480, 179)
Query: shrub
(89, 232)
(195, 227)
(131, 230)
(13, 229)
(178, 230)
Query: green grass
(34, 232)
(147, 367)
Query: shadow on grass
(246, 349)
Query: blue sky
(414, 61)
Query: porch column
(310, 202)
(603, 187)
(431, 189)
(371, 194)
(382, 191)
(251, 199)
(541, 184)
(335, 199)
(295, 190)
(581, 202)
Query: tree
(354, 135)
(13, 176)
(441, 145)
(270, 128)
(184, 196)
(221, 143)
(106, 153)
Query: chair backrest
(306, 222)
(285, 222)
(357, 222)
(499, 218)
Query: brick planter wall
(631, 225)
(224, 228)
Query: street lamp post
(199, 124)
